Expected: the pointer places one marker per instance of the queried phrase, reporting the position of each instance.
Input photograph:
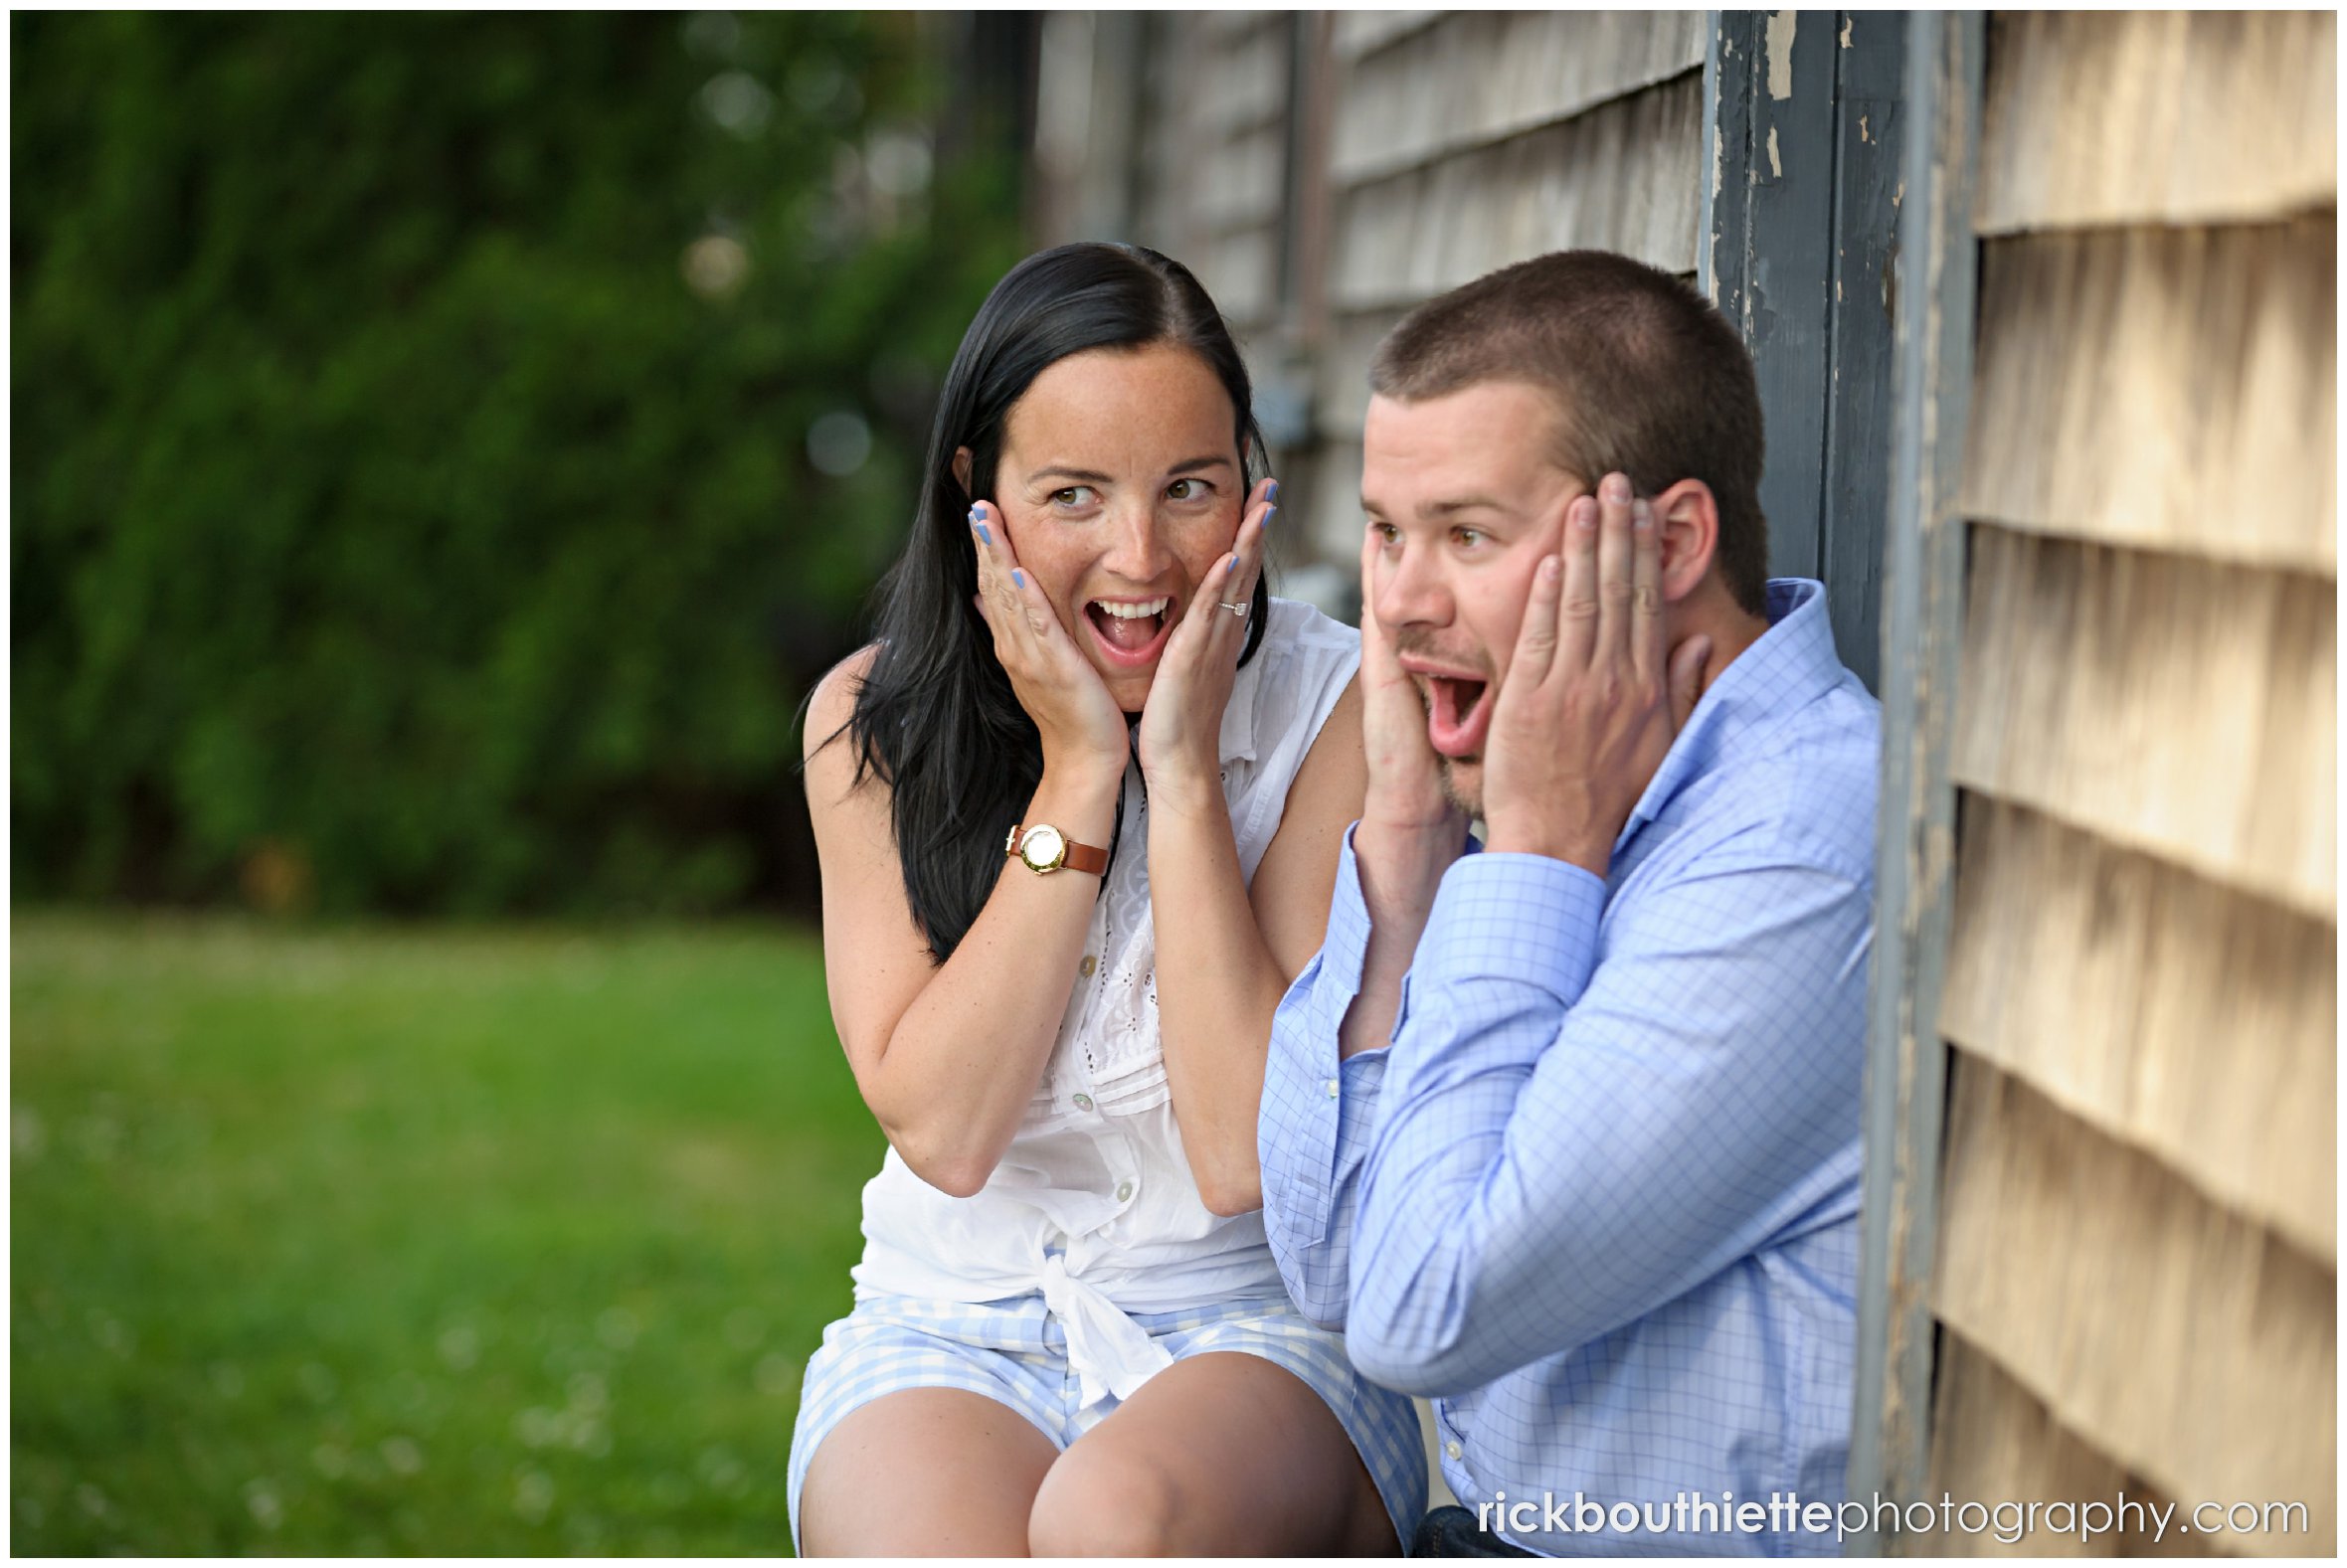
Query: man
(1588, 1171)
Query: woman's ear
(1688, 516)
(961, 473)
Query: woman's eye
(1468, 538)
(1073, 495)
(1189, 489)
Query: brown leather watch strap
(1083, 857)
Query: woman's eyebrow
(1090, 477)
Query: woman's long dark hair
(936, 718)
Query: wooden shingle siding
(2190, 1345)
(1484, 77)
(1624, 177)
(2135, 1274)
(1215, 152)
(1240, 182)
(2128, 991)
(1360, 34)
(2172, 117)
(2177, 706)
(2001, 1443)
(2163, 388)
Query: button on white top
(1452, 1447)
(1083, 1101)
(1086, 968)
(1332, 1089)
(1123, 1192)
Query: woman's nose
(1137, 549)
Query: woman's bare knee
(924, 1472)
(1108, 1501)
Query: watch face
(1043, 849)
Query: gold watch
(1045, 849)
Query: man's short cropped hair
(1649, 380)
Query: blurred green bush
(448, 446)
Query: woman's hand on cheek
(1078, 721)
(1182, 726)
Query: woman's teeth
(1148, 608)
(1129, 626)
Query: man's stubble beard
(1455, 791)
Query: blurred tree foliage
(414, 506)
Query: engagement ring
(1239, 609)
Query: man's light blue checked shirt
(1601, 1193)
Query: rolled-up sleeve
(1581, 1120)
(1317, 1112)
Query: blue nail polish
(977, 514)
(1273, 493)
(1269, 513)
(983, 537)
(1018, 577)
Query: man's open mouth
(1458, 714)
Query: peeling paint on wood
(1782, 26)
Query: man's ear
(961, 473)
(1688, 516)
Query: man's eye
(1386, 533)
(1468, 538)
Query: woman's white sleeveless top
(1094, 1204)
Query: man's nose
(1411, 590)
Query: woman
(1079, 808)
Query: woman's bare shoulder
(833, 701)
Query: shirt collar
(1791, 665)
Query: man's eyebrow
(1462, 503)
(1443, 508)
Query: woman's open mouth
(1131, 632)
(1458, 714)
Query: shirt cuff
(1345, 946)
(1512, 916)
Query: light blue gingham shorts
(1014, 1352)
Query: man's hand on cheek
(1592, 696)
(1405, 790)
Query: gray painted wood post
(1922, 626)
(1869, 139)
(1801, 119)
(1765, 256)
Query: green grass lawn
(398, 1240)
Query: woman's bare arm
(1224, 959)
(946, 1057)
